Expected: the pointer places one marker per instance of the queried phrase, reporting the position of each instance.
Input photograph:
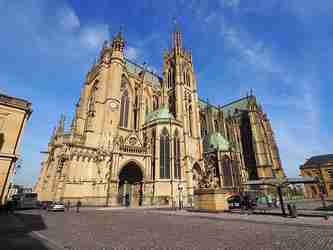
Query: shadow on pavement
(327, 208)
(16, 232)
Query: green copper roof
(161, 113)
(217, 141)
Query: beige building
(145, 139)
(14, 114)
(320, 166)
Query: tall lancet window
(227, 171)
(146, 107)
(171, 77)
(155, 102)
(124, 110)
(188, 78)
(92, 100)
(190, 116)
(164, 155)
(176, 152)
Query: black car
(234, 201)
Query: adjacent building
(320, 166)
(143, 138)
(14, 113)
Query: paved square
(146, 229)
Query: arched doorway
(130, 190)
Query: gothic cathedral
(140, 139)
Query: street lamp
(180, 190)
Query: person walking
(68, 205)
(78, 205)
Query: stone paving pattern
(155, 229)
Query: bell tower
(179, 84)
(98, 110)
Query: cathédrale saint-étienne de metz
(148, 138)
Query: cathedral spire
(176, 36)
(61, 125)
(118, 42)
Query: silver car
(58, 206)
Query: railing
(133, 149)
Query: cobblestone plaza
(156, 229)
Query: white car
(56, 207)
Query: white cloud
(292, 105)
(68, 18)
(132, 53)
(94, 36)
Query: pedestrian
(127, 201)
(78, 205)
(68, 205)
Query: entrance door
(130, 185)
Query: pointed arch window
(227, 172)
(153, 152)
(176, 148)
(92, 100)
(124, 110)
(146, 107)
(155, 102)
(190, 116)
(216, 125)
(164, 155)
(203, 125)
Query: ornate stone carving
(209, 178)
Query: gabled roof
(230, 108)
(316, 161)
(240, 104)
(135, 68)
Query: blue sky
(282, 49)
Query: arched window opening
(188, 79)
(227, 171)
(124, 110)
(172, 103)
(155, 102)
(190, 115)
(136, 110)
(236, 175)
(153, 152)
(164, 155)
(92, 100)
(203, 125)
(177, 163)
(146, 107)
(169, 78)
(216, 125)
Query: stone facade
(143, 139)
(14, 114)
(320, 166)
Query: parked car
(58, 206)
(234, 201)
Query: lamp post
(180, 190)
